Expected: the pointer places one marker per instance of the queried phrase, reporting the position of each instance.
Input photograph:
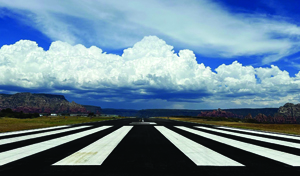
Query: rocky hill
(94, 109)
(288, 113)
(289, 110)
(40, 103)
(218, 113)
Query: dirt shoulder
(13, 124)
(279, 128)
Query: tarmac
(149, 147)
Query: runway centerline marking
(142, 123)
(199, 154)
(263, 139)
(19, 153)
(22, 138)
(283, 157)
(97, 152)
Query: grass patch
(13, 124)
(280, 128)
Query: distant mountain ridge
(185, 112)
(49, 103)
(40, 103)
(121, 112)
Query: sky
(154, 54)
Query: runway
(152, 147)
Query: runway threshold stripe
(97, 152)
(263, 139)
(19, 153)
(199, 154)
(29, 131)
(283, 157)
(264, 133)
(22, 138)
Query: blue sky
(193, 54)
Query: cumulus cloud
(205, 26)
(150, 70)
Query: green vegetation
(20, 115)
(280, 128)
(15, 124)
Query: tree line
(20, 115)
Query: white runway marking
(142, 123)
(264, 133)
(22, 138)
(283, 157)
(97, 152)
(199, 154)
(263, 139)
(18, 153)
(28, 131)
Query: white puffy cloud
(205, 26)
(236, 77)
(150, 70)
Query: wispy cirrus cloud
(204, 26)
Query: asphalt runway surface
(153, 147)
